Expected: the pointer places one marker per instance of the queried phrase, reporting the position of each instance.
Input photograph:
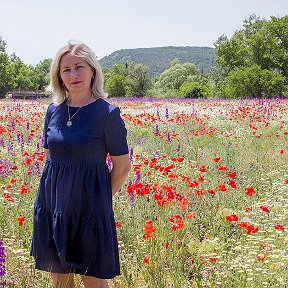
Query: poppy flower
(211, 191)
(149, 230)
(21, 220)
(213, 258)
(232, 217)
(248, 209)
(251, 229)
(250, 191)
(261, 257)
(222, 168)
(232, 174)
(265, 209)
(118, 224)
(243, 224)
(202, 168)
(279, 227)
(266, 247)
(222, 187)
(232, 184)
(217, 159)
(146, 259)
(286, 181)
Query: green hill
(158, 58)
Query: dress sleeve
(115, 134)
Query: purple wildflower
(2, 261)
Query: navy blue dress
(74, 227)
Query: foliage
(260, 42)
(41, 73)
(23, 77)
(176, 75)
(254, 82)
(193, 90)
(115, 86)
(158, 59)
(5, 74)
(137, 80)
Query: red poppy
(149, 230)
(24, 190)
(232, 174)
(21, 220)
(286, 181)
(252, 229)
(232, 217)
(118, 224)
(213, 258)
(232, 184)
(261, 258)
(266, 247)
(176, 221)
(202, 168)
(279, 227)
(282, 151)
(222, 168)
(243, 224)
(265, 209)
(191, 215)
(217, 159)
(222, 187)
(211, 191)
(250, 191)
(248, 209)
(146, 259)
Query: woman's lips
(76, 82)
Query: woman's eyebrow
(74, 65)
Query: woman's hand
(120, 170)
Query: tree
(2, 45)
(254, 82)
(260, 42)
(137, 80)
(193, 90)
(41, 74)
(115, 85)
(5, 74)
(173, 77)
(23, 77)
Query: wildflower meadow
(205, 204)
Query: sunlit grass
(175, 184)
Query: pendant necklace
(69, 122)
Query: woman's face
(75, 73)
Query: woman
(74, 227)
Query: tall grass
(196, 163)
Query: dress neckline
(83, 105)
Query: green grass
(248, 135)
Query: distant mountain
(159, 58)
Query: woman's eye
(65, 70)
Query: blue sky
(36, 29)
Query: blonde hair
(56, 85)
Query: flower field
(205, 204)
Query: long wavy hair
(56, 85)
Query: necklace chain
(69, 122)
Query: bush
(193, 90)
(254, 82)
(115, 85)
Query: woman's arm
(120, 170)
(46, 151)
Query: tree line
(252, 63)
